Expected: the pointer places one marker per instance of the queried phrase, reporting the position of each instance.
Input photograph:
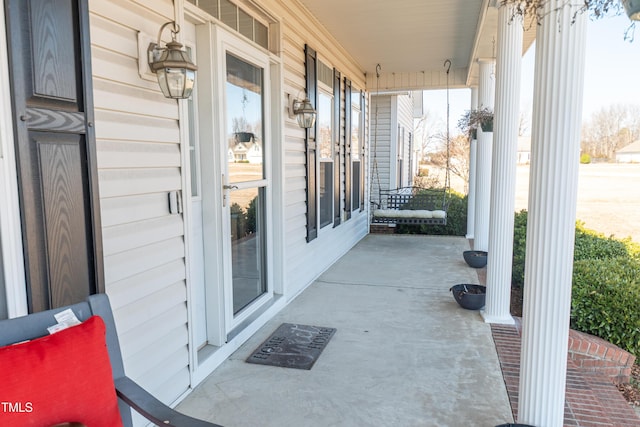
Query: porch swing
(411, 205)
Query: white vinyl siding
(380, 143)
(394, 122)
(139, 163)
(137, 136)
(306, 261)
(405, 121)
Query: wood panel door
(49, 56)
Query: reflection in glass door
(246, 246)
(245, 184)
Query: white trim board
(10, 225)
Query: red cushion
(59, 378)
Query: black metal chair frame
(130, 394)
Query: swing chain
(447, 179)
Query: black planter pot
(475, 259)
(487, 126)
(244, 136)
(471, 297)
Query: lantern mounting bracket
(154, 51)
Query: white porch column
(471, 194)
(555, 144)
(503, 168)
(486, 95)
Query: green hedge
(606, 284)
(606, 300)
(456, 219)
(519, 247)
(590, 244)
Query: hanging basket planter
(471, 120)
(243, 136)
(632, 7)
(487, 126)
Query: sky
(612, 65)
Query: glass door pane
(244, 121)
(246, 184)
(246, 215)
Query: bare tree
(523, 122)
(428, 133)
(240, 124)
(458, 157)
(610, 129)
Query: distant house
(629, 154)
(392, 149)
(524, 150)
(245, 147)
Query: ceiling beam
(422, 80)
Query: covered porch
(493, 70)
(404, 353)
(169, 266)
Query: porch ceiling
(411, 39)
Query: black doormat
(293, 346)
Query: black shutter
(50, 65)
(338, 144)
(347, 151)
(363, 137)
(311, 67)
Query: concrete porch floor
(404, 354)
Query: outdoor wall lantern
(633, 9)
(173, 67)
(303, 111)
